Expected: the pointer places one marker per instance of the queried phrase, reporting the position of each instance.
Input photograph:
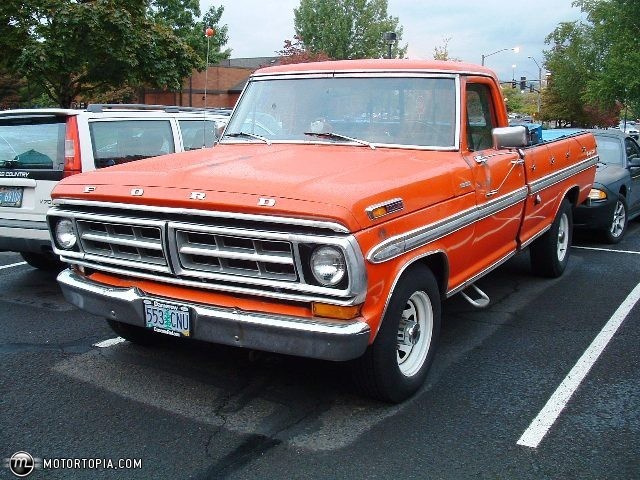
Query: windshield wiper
(340, 137)
(250, 135)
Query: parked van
(39, 147)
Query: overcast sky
(258, 28)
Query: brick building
(224, 83)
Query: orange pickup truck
(343, 203)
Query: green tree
(591, 65)
(347, 29)
(441, 52)
(83, 48)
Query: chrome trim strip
(309, 337)
(538, 185)
(419, 237)
(336, 227)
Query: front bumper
(314, 338)
(596, 215)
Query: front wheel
(618, 225)
(550, 252)
(396, 364)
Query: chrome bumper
(323, 339)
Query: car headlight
(328, 265)
(596, 194)
(65, 235)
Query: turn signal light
(335, 311)
(596, 194)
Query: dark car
(615, 196)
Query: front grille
(240, 254)
(131, 243)
(235, 255)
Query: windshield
(609, 150)
(32, 143)
(395, 111)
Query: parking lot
(517, 390)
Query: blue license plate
(10, 196)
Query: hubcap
(415, 330)
(563, 237)
(619, 219)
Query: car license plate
(10, 196)
(168, 318)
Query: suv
(39, 147)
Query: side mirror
(219, 130)
(510, 137)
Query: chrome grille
(225, 253)
(137, 243)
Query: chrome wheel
(619, 220)
(563, 237)
(415, 331)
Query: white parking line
(109, 343)
(12, 265)
(551, 411)
(607, 250)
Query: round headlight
(328, 266)
(65, 235)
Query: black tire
(395, 366)
(133, 333)
(43, 261)
(618, 226)
(550, 252)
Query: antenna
(209, 32)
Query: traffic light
(531, 89)
(513, 84)
(523, 83)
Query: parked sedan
(615, 196)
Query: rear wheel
(618, 225)
(550, 252)
(43, 261)
(396, 364)
(133, 333)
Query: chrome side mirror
(510, 137)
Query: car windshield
(609, 150)
(32, 143)
(357, 110)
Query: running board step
(481, 300)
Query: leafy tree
(294, 51)
(347, 29)
(591, 65)
(442, 52)
(83, 48)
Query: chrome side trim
(336, 227)
(538, 185)
(309, 337)
(419, 237)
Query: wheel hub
(411, 333)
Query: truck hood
(316, 181)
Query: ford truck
(345, 201)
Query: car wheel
(618, 226)
(550, 252)
(396, 364)
(133, 333)
(43, 261)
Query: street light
(515, 49)
(389, 38)
(539, 81)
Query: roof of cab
(366, 65)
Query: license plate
(10, 196)
(168, 318)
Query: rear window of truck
(32, 143)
